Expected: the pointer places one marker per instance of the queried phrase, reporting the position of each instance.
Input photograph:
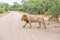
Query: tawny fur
(29, 19)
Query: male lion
(29, 19)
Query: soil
(11, 29)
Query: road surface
(11, 29)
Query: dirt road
(11, 29)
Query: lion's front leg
(24, 25)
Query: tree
(54, 9)
(15, 6)
(4, 7)
(32, 7)
(51, 7)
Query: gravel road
(11, 29)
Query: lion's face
(24, 18)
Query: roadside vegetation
(45, 7)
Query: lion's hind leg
(44, 24)
(39, 25)
(30, 25)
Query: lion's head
(24, 18)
